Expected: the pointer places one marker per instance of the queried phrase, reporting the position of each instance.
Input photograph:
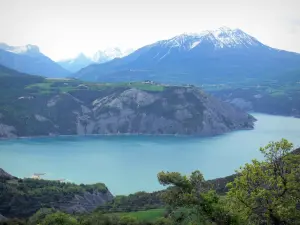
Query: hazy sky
(63, 28)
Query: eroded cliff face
(174, 110)
(5, 130)
(86, 202)
(184, 111)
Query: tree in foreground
(40, 215)
(59, 218)
(268, 192)
(192, 201)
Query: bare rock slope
(178, 110)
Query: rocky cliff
(4, 175)
(70, 108)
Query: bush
(59, 218)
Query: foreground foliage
(268, 192)
(192, 201)
(139, 201)
(263, 192)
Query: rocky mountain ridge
(30, 50)
(29, 59)
(223, 37)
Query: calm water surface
(127, 164)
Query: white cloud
(64, 28)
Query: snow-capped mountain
(109, 54)
(29, 59)
(221, 38)
(31, 50)
(219, 55)
(100, 56)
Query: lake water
(127, 164)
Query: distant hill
(29, 59)
(216, 56)
(5, 71)
(76, 63)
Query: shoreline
(139, 134)
(120, 134)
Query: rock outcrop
(177, 110)
(5, 175)
(7, 131)
(86, 202)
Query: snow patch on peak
(226, 37)
(82, 60)
(222, 37)
(225, 29)
(195, 44)
(109, 54)
(31, 50)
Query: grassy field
(68, 85)
(138, 85)
(147, 216)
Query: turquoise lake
(127, 164)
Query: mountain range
(101, 56)
(29, 59)
(214, 56)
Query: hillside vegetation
(23, 197)
(280, 95)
